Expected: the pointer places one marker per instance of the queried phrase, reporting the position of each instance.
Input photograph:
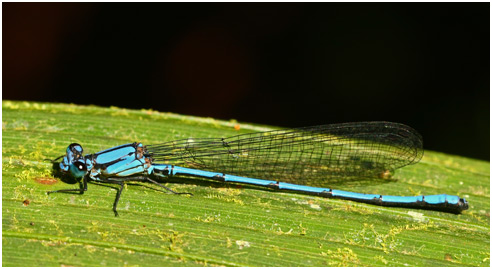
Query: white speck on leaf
(242, 244)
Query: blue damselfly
(301, 160)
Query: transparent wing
(308, 156)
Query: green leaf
(220, 225)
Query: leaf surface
(221, 224)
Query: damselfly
(302, 160)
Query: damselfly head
(74, 162)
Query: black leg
(120, 181)
(162, 186)
(144, 178)
(117, 198)
(80, 190)
(139, 178)
(119, 190)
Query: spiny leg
(140, 178)
(145, 178)
(80, 190)
(162, 186)
(117, 198)
(118, 194)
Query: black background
(285, 64)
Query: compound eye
(74, 152)
(75, 147)
(80, 165)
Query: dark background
(285, 64)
